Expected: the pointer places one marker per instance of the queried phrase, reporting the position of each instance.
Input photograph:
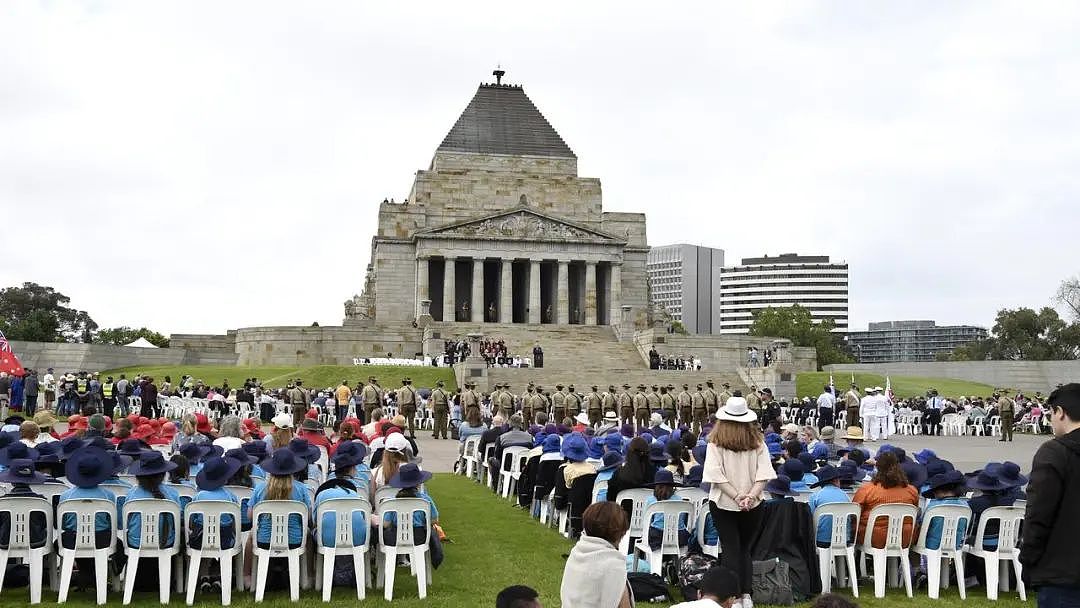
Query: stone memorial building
(501, 229)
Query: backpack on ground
(772, 583)
(648, 587)
(691, 569)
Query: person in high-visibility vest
(108, 395)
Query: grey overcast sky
(200, 166)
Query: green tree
(127, 335)
(1068, 295)
(1025, 334)
(796, 324)
(38, 313)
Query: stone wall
(303, 346)
(205, 342)
(395, 264)
(97, 357)
(717, 352)
(1025, 375)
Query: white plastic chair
(472, 459)
(845, 520)
(995, 426)
(699, 529)
(85, 510)
(242, 494)
(672, 511)
(516, 457)
(343, 510)
(978, 426)
(166, 450)
(894, 547)
(383, 494)
(19, 510)
(323, 463)
(485, 471)
(637, 514)
(213, 513)
(279, 512)
(997, 560)
(951, 517)
(406, 544)
(153, 513)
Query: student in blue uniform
(345, 461)
(311, 455)
(358, 474)
(149, 471)
(663, 486)
(258, 451)
(944, 489)
(16, 451)
(612, 460)
(22, 475)
(281, 467)
(795, 471)
(86, 470)
(829, 492)
(211, 480)
(779, 488)
(408, 480)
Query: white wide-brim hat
(582, 417)
(283, 420)
(735, 410)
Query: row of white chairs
(154, 513)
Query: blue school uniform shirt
(828, 494)
(101, 521)
(133, 525)
(226, 521)
(658, 519)
(937, 524)
(296, 524)
(799, 485)
(418, 518)
(257, 471)
(603, 476)
(359, 522)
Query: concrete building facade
(685, 280)
(811, 281)
(892, 341)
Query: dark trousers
(825, 417)
(1059, 597)
(933, 422)
(736, 529)
(31, 404)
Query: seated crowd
(581, 470)
(191, 460)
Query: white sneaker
(747, 602)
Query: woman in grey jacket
(595, 573)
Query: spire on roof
(498, 74)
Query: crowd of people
(673, 362)
(757, 482)
(138, 457)
(494, 351)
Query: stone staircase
(566, 347)
(580, 355)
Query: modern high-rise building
(684, 279)
(892, 341)
(811, 281)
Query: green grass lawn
(494, 546)
(319, 376)
(809, 384)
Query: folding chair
(83, 512)
(406, 544)
(153, 515)
(845, 521)
(279, 512)
(955, 520)
(19, 511)
(1010, 520)
(343, 510)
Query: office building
(811, 281)
(684, 279)
(892, 341)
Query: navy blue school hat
(22, 471)
(410, 476)
(663, 477)
(239, 456)
(151, 463)
(283, 462)
(781, 485)
(942, 480)
(304, 450)
(825, 474)
(17, 451)
(88, 467)
(216, 472)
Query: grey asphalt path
(970, 453)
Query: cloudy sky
(199, 166)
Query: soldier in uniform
(624, 401)
(406, 399)
(573, 402)
(440, 405)
(667, 404)
(469, 399)
(1007, 411)
(685, 404)
(540, 403)
(851, 406)
(724, 395)
(753, 401)
(300, 401)
(608, 402)
(558, 404)
(641, 407)
(371, 396)
(593, 404)
(712, 398)
(504, 399)
(697, 401)
(653, 399)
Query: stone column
(534, 293)
(590, 293)
(506, 292)
(422, 290)
(562, 300)
(449, 314)
(477, 303)
(615, 295)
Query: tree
(1068, 295)
(796, 324)
(1025, 334)
(41, 314)
(126, 335)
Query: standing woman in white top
(737, 467)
